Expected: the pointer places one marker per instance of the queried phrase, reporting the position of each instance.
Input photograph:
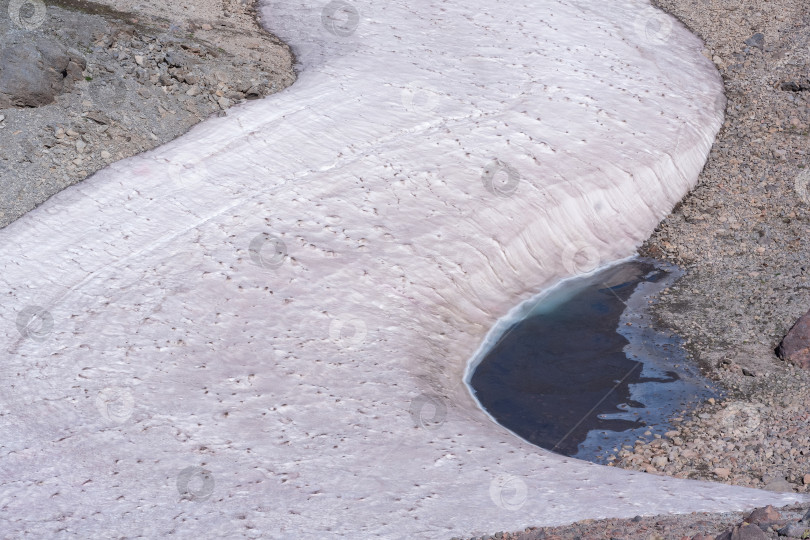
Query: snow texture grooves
(261, 329)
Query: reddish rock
(743, 532)
(767, 514)
(795, 347)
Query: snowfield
(262, 328)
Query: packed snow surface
(262, 328)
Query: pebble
(757, 40)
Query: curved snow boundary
(564, 289)
(262, 328)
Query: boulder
(795, 347)
(777, 484)
(743, 532)
(767, 514)
(35, 70)
(795, 530)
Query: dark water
(574, 377)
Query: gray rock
(757, 40)
(795, 530)
(166, 80)
(766, 514)
(795, 86)
(254, 92)
(175, 59)
(33, 72)
(98, 117)
(779, 485)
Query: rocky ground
(743, 235)
(83, 85)
(760, 524)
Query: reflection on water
(584, 371)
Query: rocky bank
(83, 85)
(759, 524)
(742, 234)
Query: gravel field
(742, 235)
(760, 524)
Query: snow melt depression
(262, 328)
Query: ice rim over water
(262, 328)
(661, 380)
